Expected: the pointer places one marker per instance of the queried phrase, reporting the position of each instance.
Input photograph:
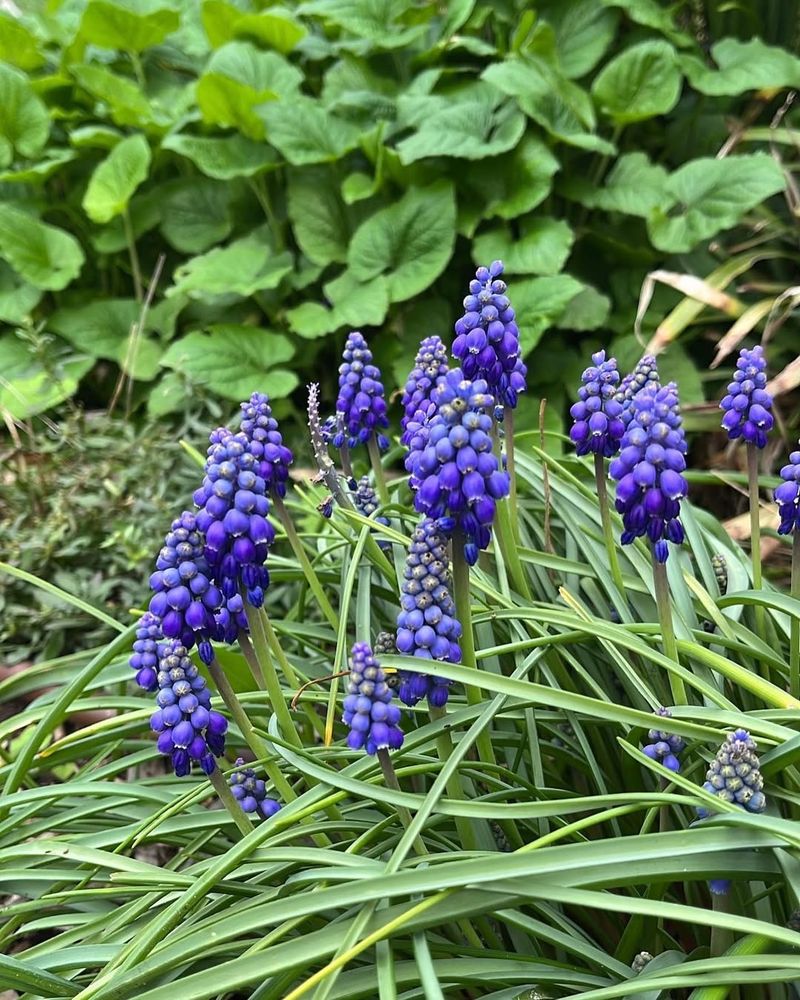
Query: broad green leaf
(357, 303)
(144, 211)
(243, 267)
(304, 132)
(18, 45)
(544, 93)
(168, 395)
(234, 361)
(37, 173)
(635, 186)
(312, 320)
(539, 303)
(27, 388)
(469, 130)
(44, 256)
(542, 247)
(125, 101)
(17, 297)
(641, 82)
(587, 311)
(513, 184)
(410, 242)
(275, 27)
(583, 31)
(222, 158)
(115, 179)
(651, 14)
(708, 195)
(358, 186)
(239, 78)
(129, 25)
(24, 121)
(377, 21)
(100, 328)
(320, 220)
(742, 66)
(196, 215)
(94, 137)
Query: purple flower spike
(734, 774)
(429, 365)
(251, 792)
(266, 442)
(747, 404)
(453, 469)
(787, 496)
(648, 470)
(427, 625)
(663, 746)
(189, 731)
(644, 375)
(146, 650)
(361, 403)
(598, 426)
(368, 708)
(487, 337)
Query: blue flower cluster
(146, 647)
(233, 516)
(189, 730)
(454, 471)
(251, 792)
(368, 708)
(644, 375)
(719, 565)
(747, 404)
(186, 598)
(787, 496)
(429, 365)
(598, 426)
(360, 403)
(366, 500)
(648, 470)
(427, 625)
(663, 746)
(266, 443)
(734, 774)
(487, 337)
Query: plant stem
(755, 530)
(508, 420)
(605, 516)
(464, 612)
(390, 777)
(664, 607)
(133, 254)
(237, 814)
(277, 700)
(721, 937)
(305, 563)
(252, 660)
(794, 634)
(444, 746)
(504, 533)
(253, 740)
(377, 468)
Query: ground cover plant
(502, 724)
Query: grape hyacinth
(366, 500)
(787, 496)
(455, 473)
(598, 427)
(644, 376)
(368, 708)
(149, 638)
(360, 403)
(663, 746)
(233, 515)
(429, 365)
(427, 625)
(251, 792)
(487, 337)
(186, 598)
(747, 404)
(266, 443)
(734, 774)
(720, 566)
(648, 470)
(189, 731)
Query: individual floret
(734, 774)
(644, 375)
(598, 427)
(663, 746)
(251, 792)
(747, 404)
(266, 443)
(429, 365)
(361, 402)
(787, 496)
(368, 708)
(149, 638)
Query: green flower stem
(390, 777)
(464, 612)
(455, 789)
(377, 468)
(794, 634)
(277, 700)
(605, 516)
(504, 532)
(755, 530)
(305, 563)
(508, 420)
(751, 944)
(253, 740)
(237, 814)
(721, 937)
(664, 607)
(252, 661)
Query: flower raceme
(361, 402)
(427, 625)
(251, 792)
(734, 774)
(266, 443)
(747, 404)
(663, 746)
(644, 375)
(149, 638)
(368, 709)
(648, 470)
(453, 468)
(189, 731)
(487, 337)
(429, 365)
(598, 427)
(787, 495)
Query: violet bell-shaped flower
(598, 427)
(368, 708)
(361, 403)
(747, 405)
(266, 443)
(787, 496)
(429, 365)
